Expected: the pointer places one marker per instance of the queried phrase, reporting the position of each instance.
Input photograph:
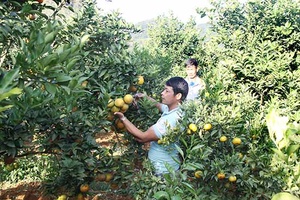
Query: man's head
(191, 68)
(178, 87)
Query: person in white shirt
(196, 84)
(172, 96)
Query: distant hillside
(144, 27)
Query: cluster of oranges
(120, 104)
(192, 128)
(235, 141)
(84, 188)
(221, 175)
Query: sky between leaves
(134, 11)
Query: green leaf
(8, 79)
(63, 78)
(280, 154)
(179, 150)
(5, 108)
(50, 88)
(292, 148)
(84, 39)
(11, 92)
(176, 198)
(161, 195)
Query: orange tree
(67, 71)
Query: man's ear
(178, 96)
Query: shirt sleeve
(160, 128)
(165, 121)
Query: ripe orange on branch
(221, 175)
(111, 103)
(31, 16)
(140, 80)
(62, 197)
(108, 177)
(84, 187)
(193, 127)
(120, 124)
(119, 102)
(198, 174)
(236, 141)
(84, 84)
(223, 138)
(124, 108)
(207, 127)
(128, 98)
(115, 109)
(132, 88)
(232, 178)
(100, 177)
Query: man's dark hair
(191, 61)
(179, 85)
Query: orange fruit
(132, 88)
(207, 127)
(114, 109)
(84, 84)
(227, 185)
(110, 116)
(140, 80)
(84, 187)
(198, 174)
(223, 138)
(31, 16)
(124, 108)
(232, 178)
(128, 98)
(114, 186)
(120, 124)
(40, 1)
(193, 127)
(241, 155)
(236, 141)
(221, 176)
(62, 197)
(119, 102)
(108, 177)
(111, 103)
(74, 109)
(80, 197)
(159, 141)
(189, 131)
(100, 177)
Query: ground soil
(32, 191)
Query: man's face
(191, 71)
(167, 96)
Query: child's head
(191, 66)
(191, 62)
